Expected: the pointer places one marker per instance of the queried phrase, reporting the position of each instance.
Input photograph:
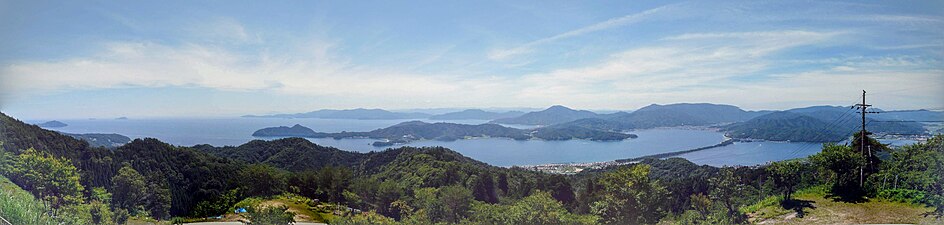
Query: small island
(417, 130)
(294, 131)
(52, 124)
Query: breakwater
(573, 168)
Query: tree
(701, 204)
(333, 181)
(53, 179)
(387, 193)
(483, 187)
(262, 180)
(129, 189)
(786, 175)
(726, 189)
(538, 208)
(448, 204)
(456, 201)
(630, 197)
(269, 216)
(562, 190)
(159, 199)
(843, 164)
(914, 168)
(871, 162)
(503, 183)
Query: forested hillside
(815, 124)
(685, 114)
(147, 178)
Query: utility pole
(863, 139)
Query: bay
(495, 151)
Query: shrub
(904, 195)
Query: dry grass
(820, 210)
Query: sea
(495, 151)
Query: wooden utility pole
(863, 139)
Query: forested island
(417, 130)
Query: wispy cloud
(500, 54)
(759, 55)
(680, 61)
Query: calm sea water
(507, 152)
(752, 153)
(495, 151)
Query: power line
(827, 130)
(904, 121)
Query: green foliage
(842, 163)
(701, 203)
(219, 205)
(630, 197)
(20, 207)
(914, 171)
(483, 187)
(327, 183)
(94, 212)
(766, 202)
(447, 204)
(262, 180)
(904, 195)
(786, 175)
(365, 219)
(726, 189)
(129, 190)
(682, 179)
(269, 215)
(52, 179)
(292, 154)
(180, 177)
(539, 208)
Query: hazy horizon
(186, 59)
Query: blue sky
(222, 58)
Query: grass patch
(811, 206)
(305, 209)
(20, 207)
(767, 208)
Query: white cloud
(500, 54)
(680, 62)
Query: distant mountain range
(357, 114)
(476, 114)
(417, 130)
(553, 115)
(52, 124)
(684, 114)
(809, 124)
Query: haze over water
(495, 151)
